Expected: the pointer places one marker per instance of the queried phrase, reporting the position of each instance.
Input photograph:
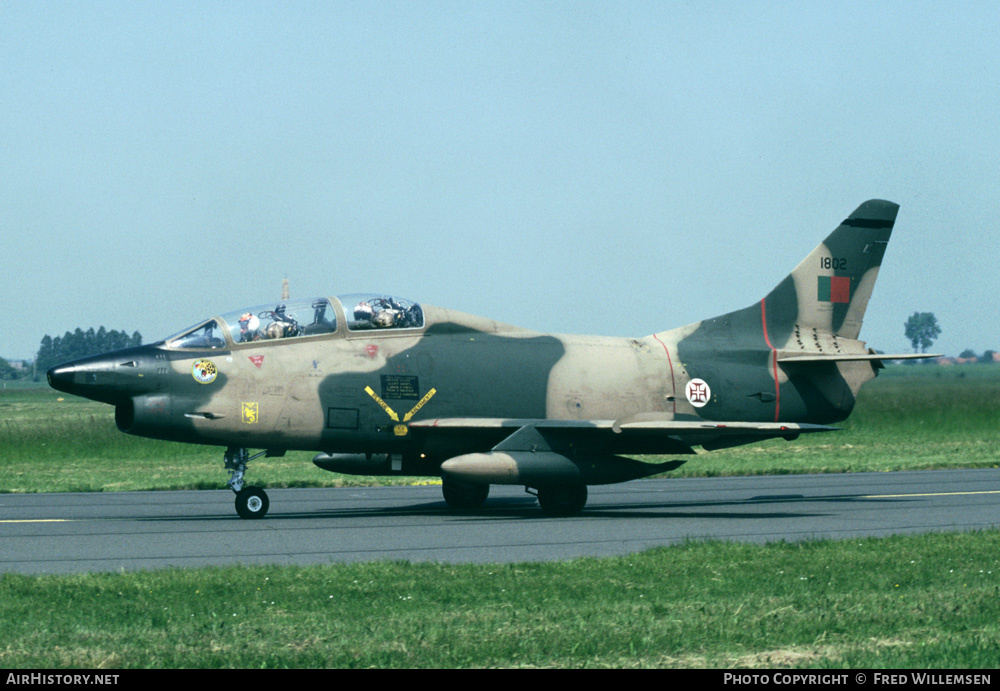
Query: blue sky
(574, 167)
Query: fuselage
(350, 390)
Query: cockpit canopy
(370, 311)
(300, 318)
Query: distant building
(994, 357)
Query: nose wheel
(251, 502)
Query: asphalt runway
(68, 533)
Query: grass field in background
(909, 418)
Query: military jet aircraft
(380, 385)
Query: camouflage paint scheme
(478, 402)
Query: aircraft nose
(86, 377)
(61, 377)
(109, 377)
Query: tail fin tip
(874, 213)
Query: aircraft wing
(634, 435)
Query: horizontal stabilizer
(795, 356)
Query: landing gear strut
(251, 502)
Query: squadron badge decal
(251, 413)
(204, 371)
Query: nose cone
(109, 378)
(61, 377)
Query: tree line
(70, 346)
(969, 354)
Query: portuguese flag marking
(834, 289)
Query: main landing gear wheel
(464, 495)
(562, 500)
(252, 502)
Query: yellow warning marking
(400, 430)
(383, 404)
(418, 406)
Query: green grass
(909, 418)
(928, 601)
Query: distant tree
(45, 354)
(967, 353)
(987, 357)
(80, 343)
(101, 339)
(6, 370)
(921, 330)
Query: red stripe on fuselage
(671, 363)
(774, 360)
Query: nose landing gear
(251, 502)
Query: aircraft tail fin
(829, 290)
(805, 330)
